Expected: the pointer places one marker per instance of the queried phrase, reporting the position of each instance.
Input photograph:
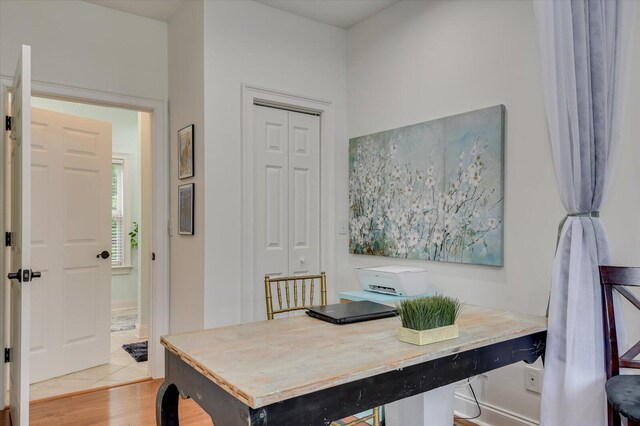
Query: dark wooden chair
(623, 390)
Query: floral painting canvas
(430, 191)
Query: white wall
(186, 106)
(418, 61)
(124, 127)
(247, 42)
(83, 45)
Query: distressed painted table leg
(167, 405)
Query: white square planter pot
(424, 337)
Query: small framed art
(185, 152)
(185, 212)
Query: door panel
(304, 193)
(286, 196)
(21, 239)
(76, 226)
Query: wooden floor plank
(131, 405)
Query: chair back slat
(300, 291)
(617, 278)
(628, 295)
(279, 295)
(632, 353)
(311, 293)
(286, 286)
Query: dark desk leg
(167, 405)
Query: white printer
(395, 280)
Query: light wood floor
(131, 405)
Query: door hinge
(8, 121)
(153, 256)
(7, 239)
(7, 355)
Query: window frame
(125, 159)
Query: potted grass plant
(428, 319)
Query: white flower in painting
(461, 197)
(472, 168)
(493, 222)
(429, 181)
(448, 221)
(402, 220)
(475, 180)
(430, 170)
(413, 239)
(449, 198)
(408, 190)
(393, 147)
(380, 223)
(396, 173)
(437, 237)
(395, 233)
(391, 214)
(476, 213)
(401, 248)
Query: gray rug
(137, 350)
(123, 322)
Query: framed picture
(185, 152)
(185, 212)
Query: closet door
(271, 200)
(304, 194)
(286, 197)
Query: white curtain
(585, 50)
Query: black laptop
(347, 313)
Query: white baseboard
(142, 331)
(491, 415)
(123, 305)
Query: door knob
(105, 255)
(302, 260)
(15, 275)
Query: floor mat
(138, 350)
(123, 322)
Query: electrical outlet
(532, 378)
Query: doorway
(59, 362)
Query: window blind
(118, 239)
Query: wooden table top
(265, 362)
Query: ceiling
(161, 10)
(340, 13)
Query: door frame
(159, 285)
(252, 95)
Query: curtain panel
(585, 51)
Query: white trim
(142, 331)
(4, 295)
(491, 414)
(267, 97)
(160, 208)
(123, 305)
(121, 270)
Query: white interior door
(71, 227)
(20, 264)
(286, 197)
(304, 194)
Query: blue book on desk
(348, 313)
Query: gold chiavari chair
(299, 293)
